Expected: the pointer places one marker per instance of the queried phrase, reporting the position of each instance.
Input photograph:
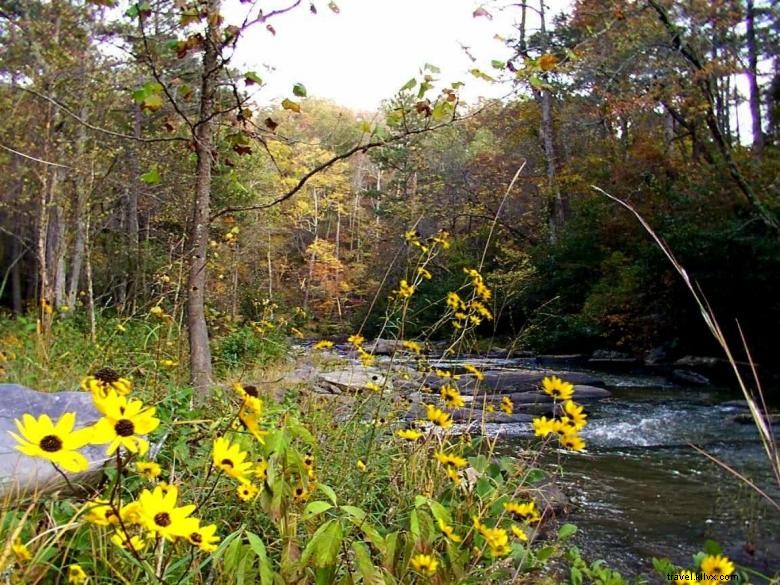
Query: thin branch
(29, 157)
(83, 122)
(324, 166)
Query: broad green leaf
(370, 574)
(152, 176)
(409, 84)
(152, 102)
(712, 548)
(414, 524)
(288, 104)
(354, 512)
(299, 90)
(256, 544)
(250, 78)
(538, 82)
(432, 68)
(576, 576)
(324, 544)
(315, 508)
(497, 64)
(544, 553)
(442, 111)
(478, 73)
(328, 491)
(566, 531)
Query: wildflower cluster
(472, 311)
(572, 419)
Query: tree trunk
(79, 219)
(200, 353)
(752, 74)
(133, 251)
(17, 256)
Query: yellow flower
(574, 412)
(132, 543)
(360, 465)
(413, 346)
(411, 236)
(261, 470)
(356, 339)
(366, 358)
(131, 513)
(543, 426)
(717, 565)
(451, 396)
(490, 408)
(300, 494)
(475, 320)
(438, 417)
(425, 564)
(446, 375)
(450, 460)
(204, 538)
(157, 311)
(449, 531)
(166, 363)
(123, 420)
(246, 491)
(424, 273)
(103, 380)
(231, 459)
(373, 386)
(101, 513)
(405, 290)
(56, 442)
(496, 538)
(506, 405)
(443, 239)
(21, 552)
(149, 469)
(475, 372)
(452, 473)
(251, 421)
(527, 511)
(323, 344)
(557, 388)
(454, 301)
(121, 328)
(160, 514)
(409, 434)
(250, 397)
(481, 309)
(571, 441)
(76, 575)
(519, 533)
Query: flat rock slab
(582, 393)
(20, 473)
(352, 379)
(507, 382)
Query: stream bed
(641, 490)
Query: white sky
(371, 48)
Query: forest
(297, 300)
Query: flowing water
(642, 491)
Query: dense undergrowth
(269, 483)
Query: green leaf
(409, 84)
(566, 531)
(576, 576)
(354, 512)
(152, 176)
(365, 127)
(497, 64)
(712, 548)
(431, 68)
(425, 86)
(328, 491)
(544, 553)
(250, 78)
(288, 104)
(370, 574)
(299, 90)
(256, 544)
(538, 82)
(442, 111)
(414, 524)
(152, 102)
(324, 544)
(479, 74)
(315, 508)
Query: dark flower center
(298, 491)
(196, 538)
(107, 375)
(51, 443)
(124, 428)
(162, 519)
(227, 463)
(251, 391)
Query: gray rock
(745, 418)
(20, 473)
(353, 379)
(694, 361)
(688, 377)
(657, 355)
(557, 361)
(582, 393)
(508, 382)
(381, 346)
(609, 354)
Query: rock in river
(22, 474)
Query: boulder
(695, 361)
(352, 379)
(688, 377)
(608, 359)
(20, 473)
(381, 346)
